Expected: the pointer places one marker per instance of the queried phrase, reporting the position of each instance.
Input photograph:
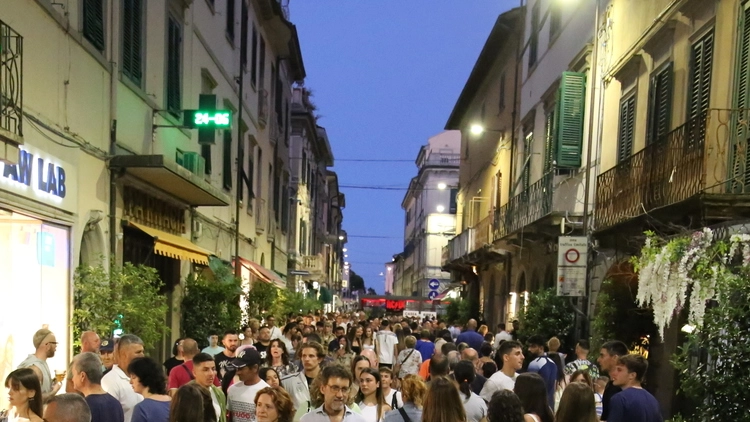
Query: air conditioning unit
(194, 162)
(197, 229)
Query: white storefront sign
(41, 177)
(572, 256)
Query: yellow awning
(173, 246)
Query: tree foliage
(458, 311)
(261, 299)
(547, 314)
(211, 305)
(356, 281)
(265, 299)
(129, 294)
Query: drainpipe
(112, 144)
(514, 114)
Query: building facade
(97, 161)
(430, 220)
(673, 138)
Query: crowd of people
(339, 368)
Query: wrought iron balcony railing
(708, 155)
(525, 208)
(11, 84)
(460, 245)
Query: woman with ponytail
(476, 408)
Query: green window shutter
(626, 131)
(549, 140)
(570, 112)
(739, 174)
(174, 73)
(699, 88)
(132, 32)
(227, 160)
(659, 105)
(93, 23)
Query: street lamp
(442, 186)
(440, 208)
(476, 129)
(341, 237)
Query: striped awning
(263, 273)
(173, 246)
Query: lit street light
(442, 186)
(476, 129)
(440, 208)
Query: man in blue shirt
(633, 403)
(471, 336)
(543, 366)
(425, 347)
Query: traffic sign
(432, 295)
(434, 284)
(572, 255)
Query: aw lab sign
(40, 177)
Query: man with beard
(335, 385)
(45, 344)
(298, 385)
(229, 341)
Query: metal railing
(11, 82)
(483, 232)
(525, 208)
(461, 245)
(441, 159)
(707, 154)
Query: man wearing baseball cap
(241, 396)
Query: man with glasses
(45, 344)
(335, 386)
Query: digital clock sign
(207, 119)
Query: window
(453, 205)
(303, 174)
(302, 237)
(250, 178)
(285, 207)
(277, 194)
(501, 103)
(207, 138)
(93, 23)
(230, 20)
(174, 68)
(528, 140)
(498, 189)
(659, 104)
(132, 40)
(262, 64)
(740, 171)
(254, 57)
(243, 35)
(555, 18)
(699, 88)
(626, 131)
(534, 36)
(571, 102)
(227, 160)
(260, 174)
(549, 140)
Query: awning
(171, 178)
(444, 293)
(262, 273)
(173, 246)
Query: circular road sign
(572, 255)
(434, 284)
(432, 295)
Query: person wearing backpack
(392, 396)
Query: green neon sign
(207, 119)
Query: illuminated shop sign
(39, 176)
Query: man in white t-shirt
(385, 345)
(117, 381)
(241, 396)
(510, 355)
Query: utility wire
(372, 237)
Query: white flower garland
(696, 264)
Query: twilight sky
(385, 75)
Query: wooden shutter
(132, 32)
(227, 160)
(549, 140)
(626, 131)
(659, 105)
(174, 55)
(569, 114)
(740, 164)
(699, 89)
(230, 19)
(93, 22)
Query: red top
(183, 374)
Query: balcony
(261, 215)
(528, 207)
(483, 232)
(461, 245)
(11, 86)
(703, 165)
(439, 159)
(310, 267)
